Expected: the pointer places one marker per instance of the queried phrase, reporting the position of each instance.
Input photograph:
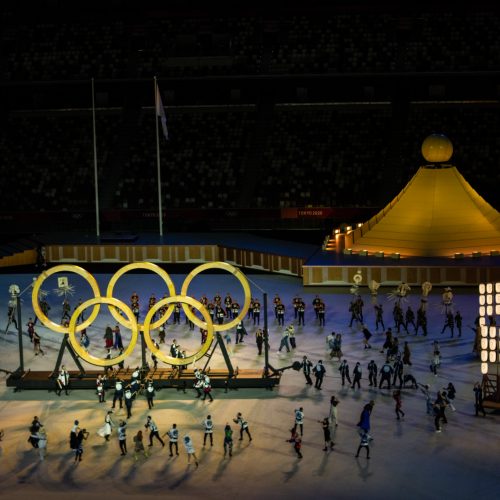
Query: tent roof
(438, 213)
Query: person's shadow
(324, 461)
(28, 472)
(399, 429)
(182, 478)
(288, 475)
(363, 468)
(67, 477)
(221, 468)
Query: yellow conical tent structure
(437, 214)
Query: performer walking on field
(365, 443)
(299, 420)
(243, 426)
(36, 344)
(62, 381)
(209, 430)
(333, 415)
(188, 443)
(106, 429)
(153, 431)
(296, 440)
(122, 437)
(139, 446)
(228, 440)
(327, 434)
(306, 368)
(173, 436)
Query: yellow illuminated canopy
(437, 214)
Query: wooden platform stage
(162, 377)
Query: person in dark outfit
(458, 323)
(280, 314)
(129, 400)
(359, 309)
(449, 322)
(354, 314)
(153, 431)
(398, 372)
(421, 321)
(325, 423)
(388, 340)
(118, 395)
(396, 395)
(357, 376)
(150, 394)
(364, 420)
(344, 372)
(306, 366)
(366, 337)
(321, 313)
(319, 373)
(240, 332)
(398, 317)
(409, 319)
(259, 339)
(276, 302)
(243, 426)
(256, 312)
(315, 303)
(478, 399)
(301, 308)
(385, 375)
(80, 437)
(379, 319)
(122, 437)
(372, 373)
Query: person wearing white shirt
(209, 430)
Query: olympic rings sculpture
(116, 305)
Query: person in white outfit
(208, 424)
(284, 340)
(299, 420)
(42, 443)
(106, 429)
(62, 381)
(332, 417)
(188, 443)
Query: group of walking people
(78, 435)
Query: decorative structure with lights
(437, 214)
(489, 307)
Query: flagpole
(97, 228)
(160, 209)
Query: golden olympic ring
(237, 274)
(70, 269)
(82, 352)
(149, 266)
(114, 304)
(208, 325)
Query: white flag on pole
(160, 111)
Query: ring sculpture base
(163, 378)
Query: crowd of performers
(38, 436)
(404, 322)
(138, 383)
(393, 372)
